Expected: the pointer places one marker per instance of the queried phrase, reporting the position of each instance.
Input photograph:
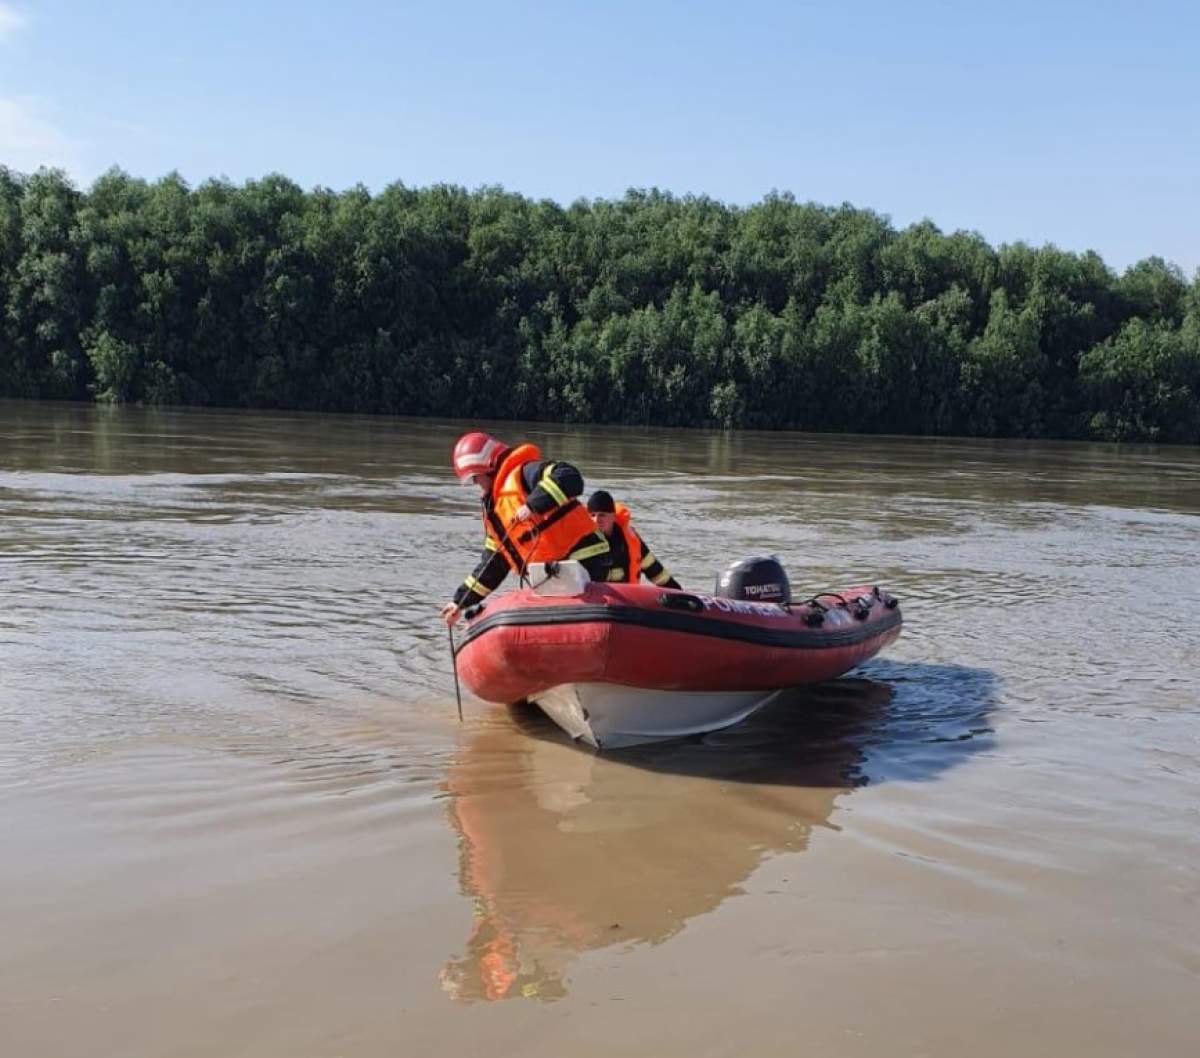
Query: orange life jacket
(633, 544)
(545, 537)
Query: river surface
(238, 816)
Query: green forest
(650, 309)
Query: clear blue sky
(1067, 122)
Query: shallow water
(240, 818)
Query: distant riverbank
(648, 310)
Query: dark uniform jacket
(652, 569)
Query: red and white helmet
(477, 453)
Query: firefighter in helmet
(531, 513)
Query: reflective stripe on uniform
(589, 552)
(616, 574)
(662, 578)
(547, 483)
(648, 560)
(490, 545)
(473, 584)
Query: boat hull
(610, 716)
(617, 664)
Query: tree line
(650, 309)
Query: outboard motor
(756, 579)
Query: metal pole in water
(454, 666)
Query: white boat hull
(609, 716)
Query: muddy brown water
(238, 816)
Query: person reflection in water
(563, 851)
(493, 970)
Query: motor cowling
(759, 579)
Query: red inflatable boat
(616, 664)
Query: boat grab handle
(680, 601)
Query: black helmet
(601, 502)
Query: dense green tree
(43, 290)
(1144, 383)
(649, 309)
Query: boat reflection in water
(564, 851)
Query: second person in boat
(631, 558)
